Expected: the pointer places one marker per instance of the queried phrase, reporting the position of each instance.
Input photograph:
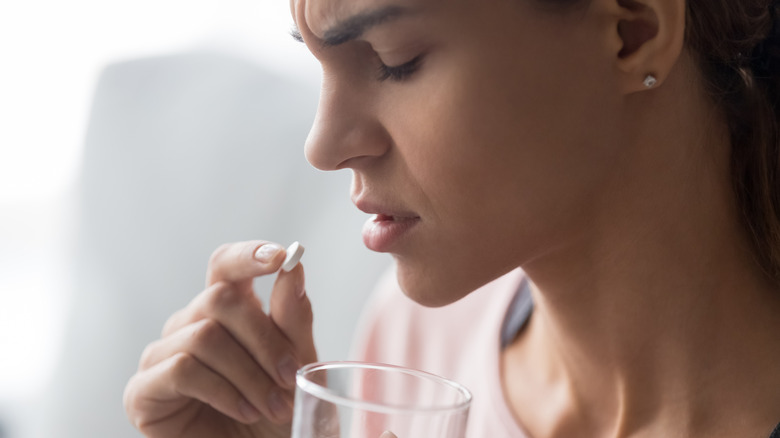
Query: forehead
(320, 15)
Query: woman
(623, 153)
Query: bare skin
(223, 367)
(518, 135)
(662, 324)
(652, 318)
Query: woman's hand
(224, 367)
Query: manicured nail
(248, 411)
(279, 408)
(267, 252)
(288, 367)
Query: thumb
(290, 310)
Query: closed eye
(400, 72)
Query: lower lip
(380, 235)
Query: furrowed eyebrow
(355, 26)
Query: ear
(651, 34)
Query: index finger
(236, 262)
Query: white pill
(294, 254)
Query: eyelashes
(401, 72)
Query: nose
(346, 130)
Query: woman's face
(485, 143)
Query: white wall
(51, 53)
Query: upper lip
(384, 208)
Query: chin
(448, 279)
(435, 288)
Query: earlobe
(652, 33)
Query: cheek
(468, 190)
(520, 140)
(503, 151)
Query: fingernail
(248, 411)
(279, 408)
(267, 252)
(288, 367)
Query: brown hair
(737, 43)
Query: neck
(657, 318)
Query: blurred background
(135, 137)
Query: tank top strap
(518, 313)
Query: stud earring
(650, 81)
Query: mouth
(385, 233)
(381, 217)
(384, 211)
(388, 227)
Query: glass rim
(324, 393)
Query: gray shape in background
(184, 153)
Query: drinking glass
(366, 400)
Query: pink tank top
(461, 341)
